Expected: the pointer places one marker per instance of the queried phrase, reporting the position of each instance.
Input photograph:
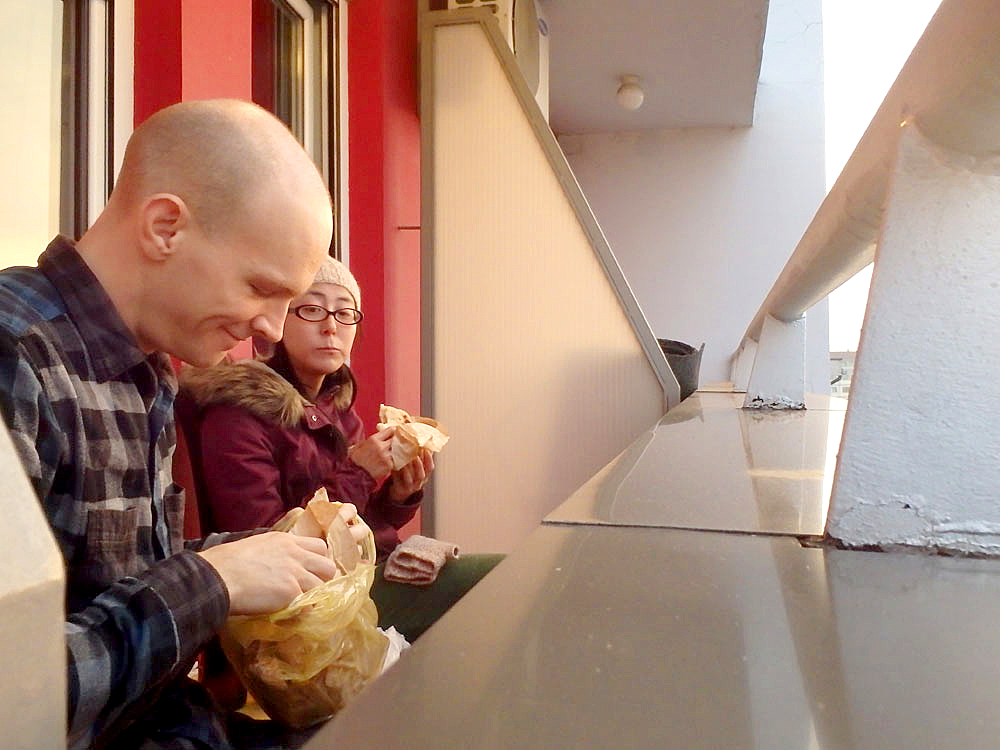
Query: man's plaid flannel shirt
(91, 417)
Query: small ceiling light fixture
(630, 93)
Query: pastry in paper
(412, 434)
(321, 518)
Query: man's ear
(166, 221)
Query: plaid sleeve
(34, 430)
(140, 632)
(197, 545)
(135, 637)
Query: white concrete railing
(32, 644)
(950, 89)
(919, 462)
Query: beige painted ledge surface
(709, 464)
(614, 637)
(601, 632)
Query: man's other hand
(265, 572)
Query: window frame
(317, 68)
(97, 104)
(96, 117)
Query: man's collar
(111, 346)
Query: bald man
(217, 221)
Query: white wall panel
(30, 66)
(703, 219)
(534, 366)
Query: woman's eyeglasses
(347, 316)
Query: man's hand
(374, 454)
(265, 572)
(412, 477)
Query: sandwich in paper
(412, 434)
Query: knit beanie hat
(332, 271)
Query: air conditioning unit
(527, 33)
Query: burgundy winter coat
(265, 449)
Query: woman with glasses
(274, 431)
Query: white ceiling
(698, 60)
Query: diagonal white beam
(919, 462)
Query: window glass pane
(295, 75)
(30, 69)
(278, 71)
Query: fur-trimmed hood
(255, 387)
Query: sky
(865, 44)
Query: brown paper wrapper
(412, 435)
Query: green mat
(413, 609)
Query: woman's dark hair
(341, 382)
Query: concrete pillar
(743, 365)
(778, 380)
(32, 645)
(920, 458)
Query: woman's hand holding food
(411, 478)
(374, 454)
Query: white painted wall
(702, 220)
(30, 64)
(32, 650)
(527, 345)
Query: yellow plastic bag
(304, 663)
